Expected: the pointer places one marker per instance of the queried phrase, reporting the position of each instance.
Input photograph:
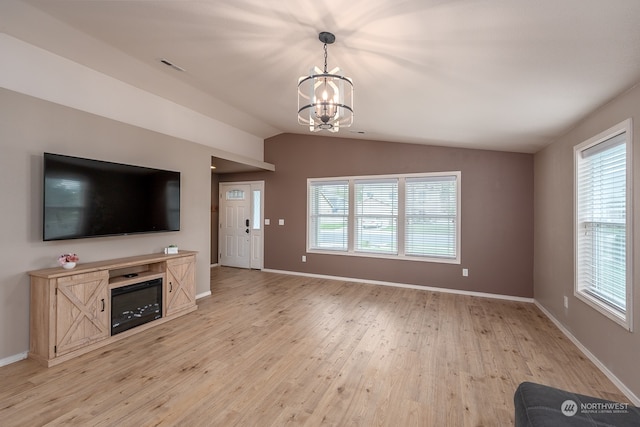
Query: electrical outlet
(267, 221)
(304, 258)
(281, 221)
(465, 272)
(566, 302)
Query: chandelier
(325, 98)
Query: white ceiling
(492, 74)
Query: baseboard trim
(405, 285)
(15, 358)
(202, 295)
(614, 379)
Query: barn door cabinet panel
(180, 286)
(70, 311)
(82, 310)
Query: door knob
(247, 231)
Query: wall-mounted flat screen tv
(93, 198)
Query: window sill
(604, 309)
(386, 256)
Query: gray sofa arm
(537, 405)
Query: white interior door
(241, 241)
(235, 230)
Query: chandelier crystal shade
(325, 98)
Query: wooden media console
(70, 311)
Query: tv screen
(92, 198)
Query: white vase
(68, 265)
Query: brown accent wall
(497, 211)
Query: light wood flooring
(271, 350)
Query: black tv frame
(161, 205)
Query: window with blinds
(328, 207)
(602, 223)
(414, 216)
(431, 216)
(376, 216)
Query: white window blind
(402, 216)
(431, 216)
(601, 224)
(328, 215)
(376, 216)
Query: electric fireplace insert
(135, 305)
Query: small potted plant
(68, 261)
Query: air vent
(171, 64)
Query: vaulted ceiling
(492, 74)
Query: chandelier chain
(325, 58)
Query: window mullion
(351, 220)
(401, 216)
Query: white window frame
(623, 318)
(315, 217)
(351, 251)
(390, 217)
